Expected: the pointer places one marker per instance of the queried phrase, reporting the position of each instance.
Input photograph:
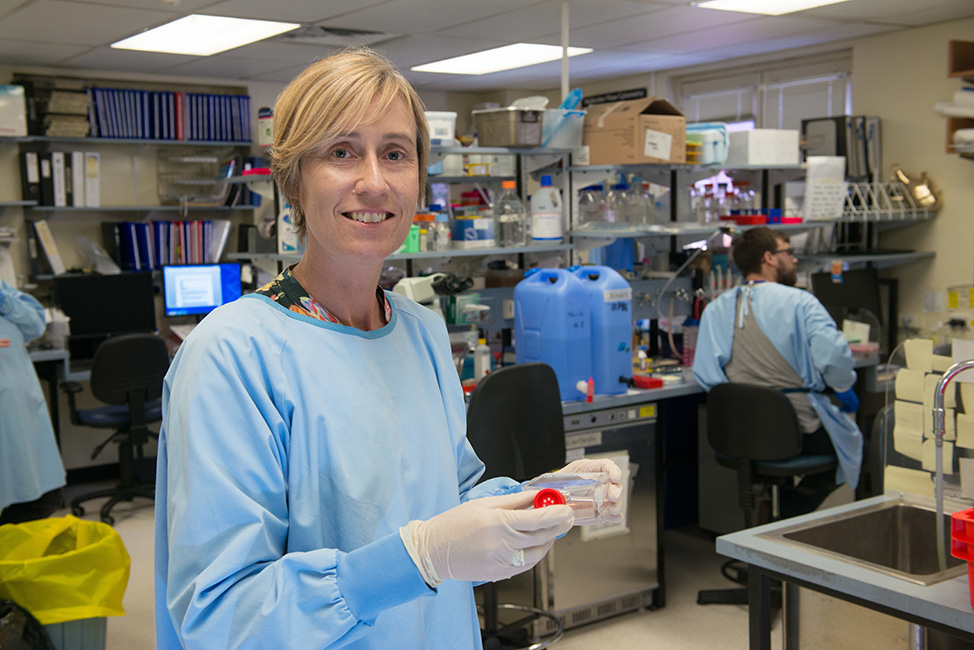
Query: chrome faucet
(938, 431)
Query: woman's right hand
(485, 540)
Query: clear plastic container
(591, 207)
(510, 218)
(617, 200)
(547, 214)
(585, 494)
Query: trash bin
(69, 573)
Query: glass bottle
(591, 207)
(510, 217)
(617, 201)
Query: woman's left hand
(595, 465)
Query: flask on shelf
(510, 218)
(591, 207)
(617, 200)
(546, 213)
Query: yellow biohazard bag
(63, 568)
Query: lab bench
(944, 606)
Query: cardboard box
(763, 147)
(649, 130)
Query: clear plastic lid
(585, 494)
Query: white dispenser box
(763, 147)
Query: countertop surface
(946, 602)
(685, 385)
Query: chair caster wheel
(77, 511)
(108, 519)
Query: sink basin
(895, 538)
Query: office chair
(755, 431)
(514, 423)
(126, 374)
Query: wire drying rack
(890, 201)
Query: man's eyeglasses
(790, 252)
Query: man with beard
(771, 334)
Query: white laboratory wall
(900, 77)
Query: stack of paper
(914, 434)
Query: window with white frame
(774, 95)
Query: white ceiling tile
(228, 67)
(294, 11)
(756, 32)
(423, 16)
(537, 21)
(28, 53)
(655, 24)
(416, 50)
(899, 12)
(56, 21)
(106, 58)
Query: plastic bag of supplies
(63, 569)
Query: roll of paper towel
(964, 97)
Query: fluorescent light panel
(768, 7)
(201, 35)
(508, 57)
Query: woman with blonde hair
(315, 486)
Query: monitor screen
(192, 289)
(858, 290)
(107, 304)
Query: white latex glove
(484, 540)
(594, 465)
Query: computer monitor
(195, 289)
(101, 306)
(859, 290)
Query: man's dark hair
(748, 249)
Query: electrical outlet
(508, 308)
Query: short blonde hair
(329, 98)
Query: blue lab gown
(291, 452)
(804, 333)
(30, 463)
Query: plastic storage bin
(610, 306)
(713, 140)
(552, 325)
(508, 127)
(442, 126)
(962, 543)
(562, 128)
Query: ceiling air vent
(334, 36)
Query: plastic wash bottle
(547, 223)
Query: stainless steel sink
(895, 538)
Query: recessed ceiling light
(201, 35)
(769, 7)
(508, 57)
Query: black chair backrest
(126, 363)
(752, 422)
(514, 422)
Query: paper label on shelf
(33, 171)
(657, 144)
